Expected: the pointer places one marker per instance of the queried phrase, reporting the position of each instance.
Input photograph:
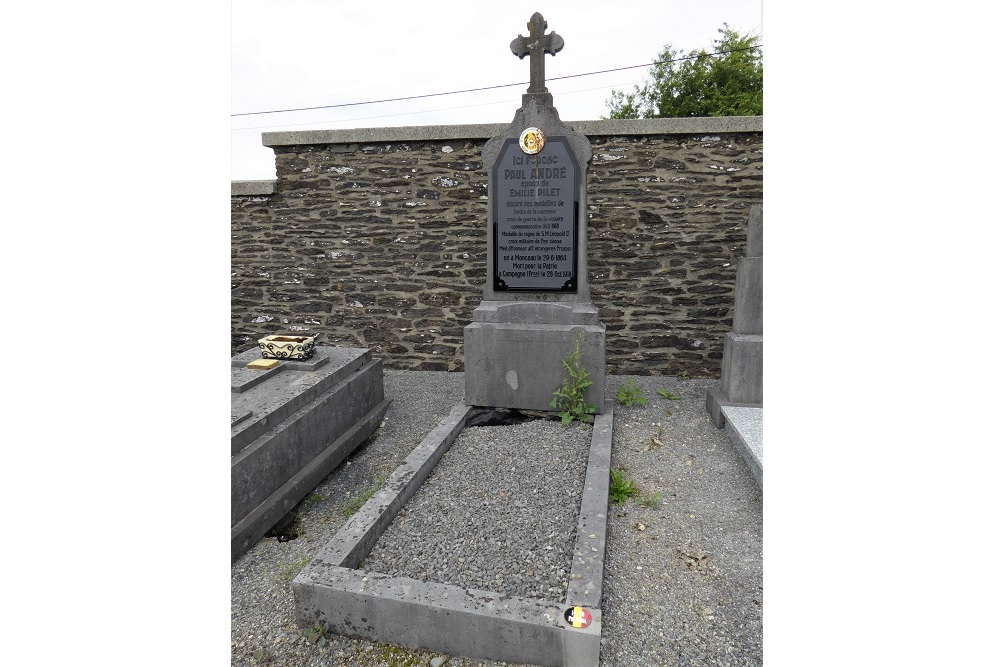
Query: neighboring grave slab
(536, 300)
(291, 426)
(744, 427)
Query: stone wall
(377, 238)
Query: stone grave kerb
(520, 333)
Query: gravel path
(683, 580)
(683, 574)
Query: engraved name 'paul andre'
(531, 178)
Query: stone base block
(743, 369)
(519, 365)
(291, 426)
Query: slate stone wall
(382, 243)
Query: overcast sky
(291, 54)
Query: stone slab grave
(536, 302)
(333, 592)
(536, 306)
(291, 426)
(744, 428)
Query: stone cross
(537, 43)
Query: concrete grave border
(331, 591)
(281, 453)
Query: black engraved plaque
(535, 211)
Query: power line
(407, 113)
(505, 85)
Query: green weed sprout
(568, 399)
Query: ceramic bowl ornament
(287, 347)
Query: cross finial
(537, 43)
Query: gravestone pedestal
(514, 352)
(742, 382)
(536, 302)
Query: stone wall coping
(247, 188)
(620, 127)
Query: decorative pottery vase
(287, 347)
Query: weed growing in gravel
(568, 399)
(262, 656)
(669, 395)
(289, 570)
(317, 634)
(621, 488)
(353, 504)
(629, 394)
(649, 500)
(313, 499)
(400, 657)
(656, 441)
(684, 375)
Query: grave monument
(537, 306)
(536, 302)
(742, 382)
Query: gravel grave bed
(498, 513)
(683, 578)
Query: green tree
(700, 83)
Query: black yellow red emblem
(578, 617)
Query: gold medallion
(532, 140)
